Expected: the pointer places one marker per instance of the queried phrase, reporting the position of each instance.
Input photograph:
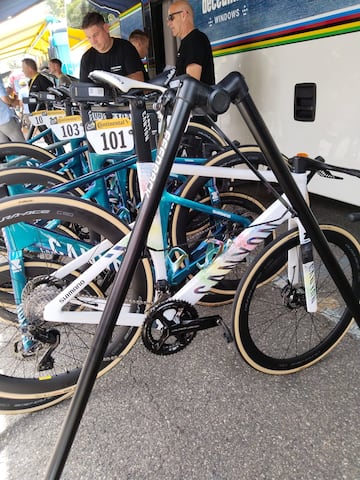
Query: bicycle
(69, 103)
(32, 268)
(217, 101)
(197, 142)
(181, 332)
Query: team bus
(300, 60)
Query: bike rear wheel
(17, 406)
(31, 179)
(273, 330)
(80, 223)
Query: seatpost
(187, 94)
(242, 99)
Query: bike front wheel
(273, 330)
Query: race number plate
(66, 128)
(51, 115)
(111, 136)
(37, 118)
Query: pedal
(227, 333)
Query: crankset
(171, 325)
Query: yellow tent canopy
(24, 34)
(76, 36)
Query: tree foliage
(73, 10)
(76, 10)
(57, 8)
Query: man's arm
(11, 102)
(137, 76)
(194, 70)
(84, 69)
(43, 83)
(133, 62)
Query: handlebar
(61, 91)
(318, 164)
(214, 99)
(354, 217)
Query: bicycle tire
(11, 406)
(182, 221)
(299, 339)
(34, 179)
(85, 215)
(17, 406)
(20, 149)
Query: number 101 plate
(111, 136)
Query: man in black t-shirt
(141, 42)
(194, 56)
(108, 53)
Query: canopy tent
(28, 32)
(11, 8)
(23, 34)
(117, 5)
(76, 36)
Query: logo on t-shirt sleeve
(116, 69)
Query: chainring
(157, 329)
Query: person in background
(141, 42)
(10, 130)
(55, 69)
(37, 81)
(24, 107)
(194, 56)
(108, 53)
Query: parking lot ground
(204, 414)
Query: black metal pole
(122, 281)
(267, 144)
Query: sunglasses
(170, 17)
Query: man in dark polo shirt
(37, 81)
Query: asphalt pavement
(204, 414)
